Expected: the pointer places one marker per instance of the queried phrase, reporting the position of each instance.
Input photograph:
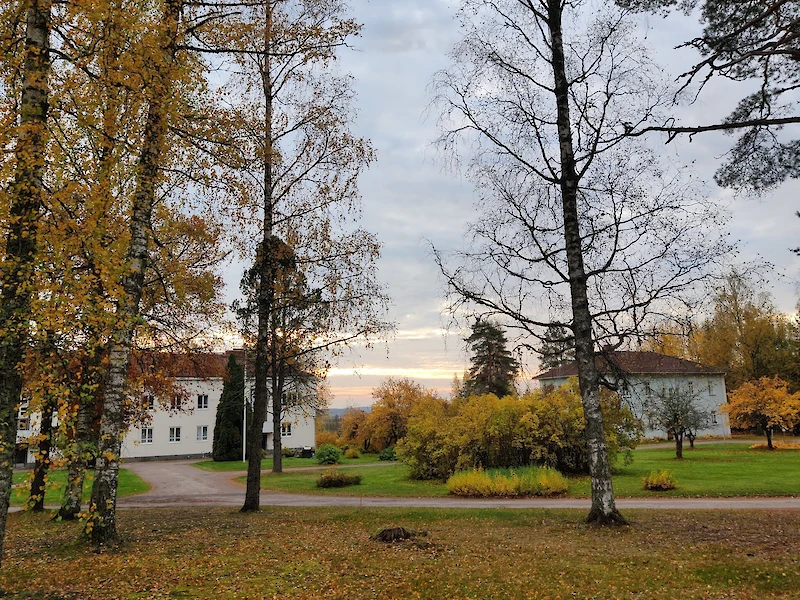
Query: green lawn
(303, 553)
(288, 463)
(385, 480)
(129, 484)
(715, 470)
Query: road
(177, 482)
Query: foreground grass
(129, 484)
(714, 471)
(327, 553)
(288, 463)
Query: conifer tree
(493, 367)
(228, 426)
(558, 347)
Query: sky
(412, 200)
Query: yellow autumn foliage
(764, 404)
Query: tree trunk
(80, 454)
(36, 498)
(26, 201)
(102, 523)
(265, 262)
(603, 508)
(768, 431)
(678, 445)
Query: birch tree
(580, 227)
(168, 78)
(298, 184)
(20, 208)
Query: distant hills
(338, 412)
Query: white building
(643, 375)
(183, 426)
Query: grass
(714, 470)
(389, 480)
(129, 484)
(288, 463)
(300, 553)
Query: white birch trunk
(27, 198)
(102, 522)
(603, 508)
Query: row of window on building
(177, 402)
(648, 390)
(175, 433)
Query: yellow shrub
(470, 483)
(552, 482)
(659, 481)
(529, 481)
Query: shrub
(326, 437)
(287, 452)
(545, 427)
(659, 481)
(334, 478)
(387, 454)
(328, 454)
(352, 453)
(530, 481)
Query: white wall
(303, 430)
(188, 419)
(709, 389)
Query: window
(175, 403)
(648, 391)
(148, 402)
(147, 435)
(202, 401)
(690, 387)
(286, 429)
(711, 388)
(713, 417)
(202, 433)
(174, 434)
(23, 421)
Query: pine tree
(493, 367)
(228, 426)
(558, 347)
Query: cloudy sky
(411, 200)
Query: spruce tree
(557, 349)
(228, 426)
(493, 367)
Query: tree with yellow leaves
(26, 74)
(764, 404)
(387, 422)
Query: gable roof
(651, 363)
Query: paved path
(179, 483)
